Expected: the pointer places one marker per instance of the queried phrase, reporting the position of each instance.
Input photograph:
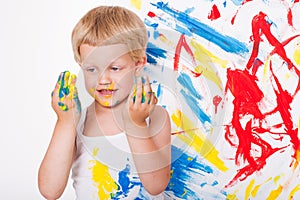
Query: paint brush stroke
(188, 175)
(227, 43)
(197, 140)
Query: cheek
(90, 83)
(127, 81)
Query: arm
(55, 167)
(150, 144)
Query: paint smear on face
(197, 140)
(106, 185)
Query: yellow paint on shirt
(197, 140)
(106, 185)
(208, 61)
(274, 194)
(249, 189)
(293, 192)
(136, 3)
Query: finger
(61, 84)
(139, 91)
(146, 90)
(55, 92)
(153, 99)
(67, 83)
(73, 90)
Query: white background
(35, 47)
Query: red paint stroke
(216, 101)
(214, 13)
(284, 100)
(290, 17)
(183, 44)
(261, 26)
(234, 16)
(247, 97)
(184, 131)
(151, 14)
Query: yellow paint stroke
(249, 188)
(297, 54)
(136, 3)
(197, 140)
(232, 196)
(266, 66)
(274, 194)
(257, 187)
(165, 40)
(208, 60)
(293, 192)
(276, 179)
(102, 178)
(297, 160)
(287, 76)
(184, 193)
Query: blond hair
(106, 25)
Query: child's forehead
(104, 55)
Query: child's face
(109, 77)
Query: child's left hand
(141, 102)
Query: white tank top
(103, 168)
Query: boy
(123, 131)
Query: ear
(141, 63)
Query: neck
(113, 113)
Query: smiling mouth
(106, 92)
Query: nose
(104, 78)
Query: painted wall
(230, 68)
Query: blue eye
(115, 68)
(91, 69)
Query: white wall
(35, 48)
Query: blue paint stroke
(227, 43)
(237, 2)
(187, 171)
(194, 105)
(153, 52)
(125, 184)
(158, 91)
(186, 82)
(189, 10)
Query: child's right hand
(65, 101)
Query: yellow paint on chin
(197, 140)
(208, 60)
(102, 178)
(136, 3)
